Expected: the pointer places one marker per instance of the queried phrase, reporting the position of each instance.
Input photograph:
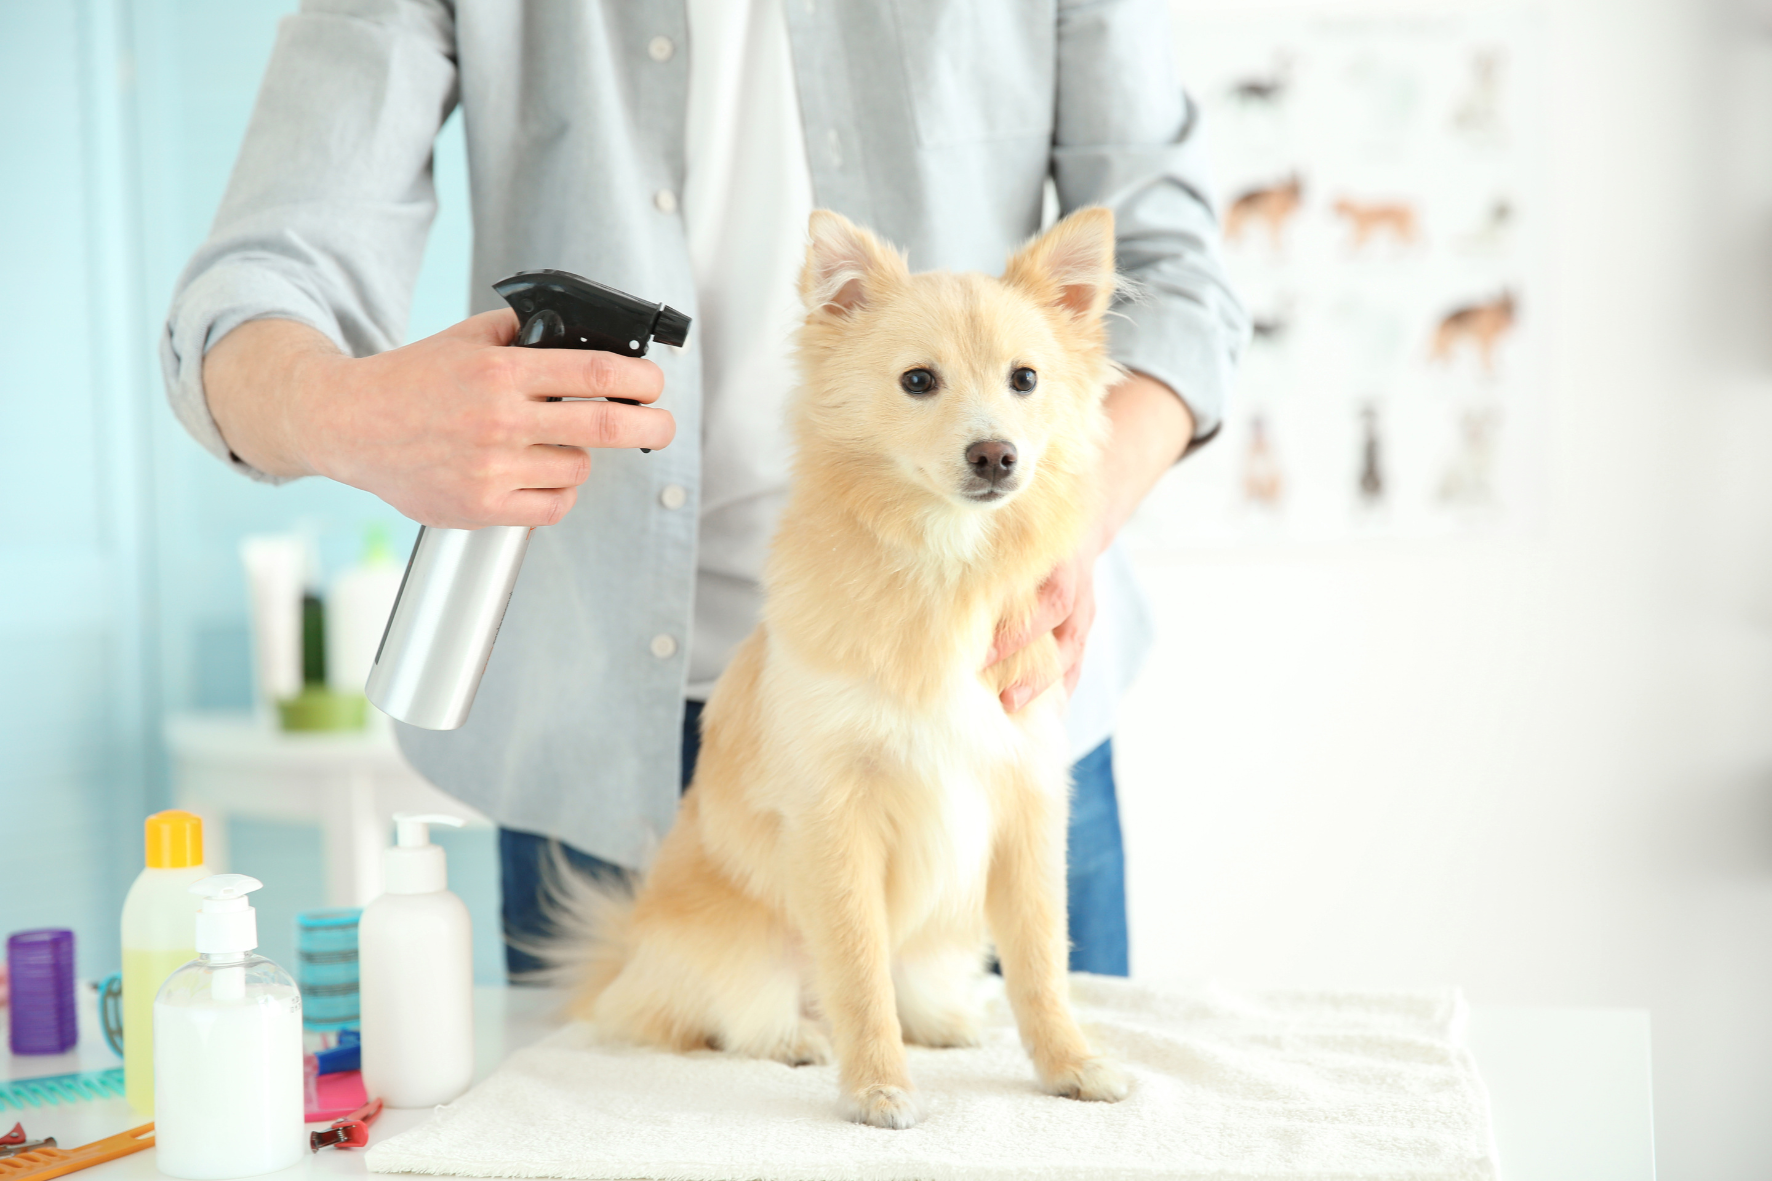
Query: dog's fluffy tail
(590, 921)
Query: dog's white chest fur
(936, 777)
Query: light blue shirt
(934, 122)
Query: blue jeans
(1096, 866)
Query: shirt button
(661, 49)
(664, 647)
(665, 200)
(672, 495)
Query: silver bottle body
(445, 619)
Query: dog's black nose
(992, 459)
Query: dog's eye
(918, 381)
(1023, 380)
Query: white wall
(1538, 767)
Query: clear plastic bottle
(227, 1049)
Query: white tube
(276, 565)
(358, 604)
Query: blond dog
(865, 817)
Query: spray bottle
(227, 1049)
(415, 969)
(458, 581)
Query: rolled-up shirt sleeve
(1128, 137)
(325, 216)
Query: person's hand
(454, 430)
(1151, 428)
(1066, 608)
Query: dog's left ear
(1071, 265)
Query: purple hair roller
(41, 966)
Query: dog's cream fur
(863, 809)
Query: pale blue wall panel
(71, 761)
(48, 465)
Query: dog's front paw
(1099, 1079)
(883, 1107)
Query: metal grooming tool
(349, 1132)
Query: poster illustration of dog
(1380, 182)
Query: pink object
(336, 1096)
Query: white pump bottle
(227, 1049)
(415, 966)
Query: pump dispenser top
(227, 924)
(413, 865)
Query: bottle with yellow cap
(158, 938)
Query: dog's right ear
(846, 266)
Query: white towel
(1226, 1084)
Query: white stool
(349, 783)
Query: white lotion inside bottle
(227, 1049)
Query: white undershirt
(746, 200)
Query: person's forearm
(1149, 428)
(251, 379)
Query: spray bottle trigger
(541, 329)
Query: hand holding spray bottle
(459, 581)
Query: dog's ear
(846, 266)
(1071, 265)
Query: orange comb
(42, 1163)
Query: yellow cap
(175, 839)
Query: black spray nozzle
(671, 327)
(561, 310)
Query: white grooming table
(1569, 1087)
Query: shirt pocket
(979, 69)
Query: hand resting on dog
(1149, 429)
